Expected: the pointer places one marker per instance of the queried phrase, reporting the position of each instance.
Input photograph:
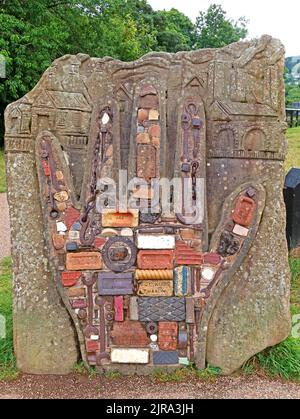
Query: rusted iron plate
(130, 356)
(83, 261)
(69, 279)
(161, 309)
(151, 259)
(119, 219)
(244, 211)
(168, 336)
(185, 255)
(154, 288)
(190, 310)
(115, 284)
(143, 275)
(146, 161)
(165, 358)
(129, 334)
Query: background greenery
(35, 32)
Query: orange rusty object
(129, 334)
(244, 211)
(185, 255)
(168, 336)
(84, 261)
(155, 259)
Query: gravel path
(81, 387)
(4, 227)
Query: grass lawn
(293, 157)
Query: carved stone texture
(216, 115)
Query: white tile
(155, 242)
(130, 356)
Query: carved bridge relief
(139, 282)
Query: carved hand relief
(125, 195)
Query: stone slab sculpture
(129, 284)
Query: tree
(175, 31)
(214, 29)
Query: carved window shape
(255, 140)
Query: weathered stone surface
(214, 115)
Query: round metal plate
(121, 265)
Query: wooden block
(155, 288)
(83, 261)
(182, 281)
(129, 356)
(159, 242)
(151, 259)
(119, 309)
(190, 310)
(133, 308)
(76, 292)
(244, 211)
(114, 219)
(162, 275)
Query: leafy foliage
(35, 32)
(7, 360)
(214, 29)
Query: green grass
(293, 157)
(282, 360)
(2, 172)
(8, 369)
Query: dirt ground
(82, 387)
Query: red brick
(185, 255)
(244, 211)
(100, 242)
(79, 304)
(119, 308)
(129, 334)
(84, 261)
(70, 279)
(152, 259)
(92, 346)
